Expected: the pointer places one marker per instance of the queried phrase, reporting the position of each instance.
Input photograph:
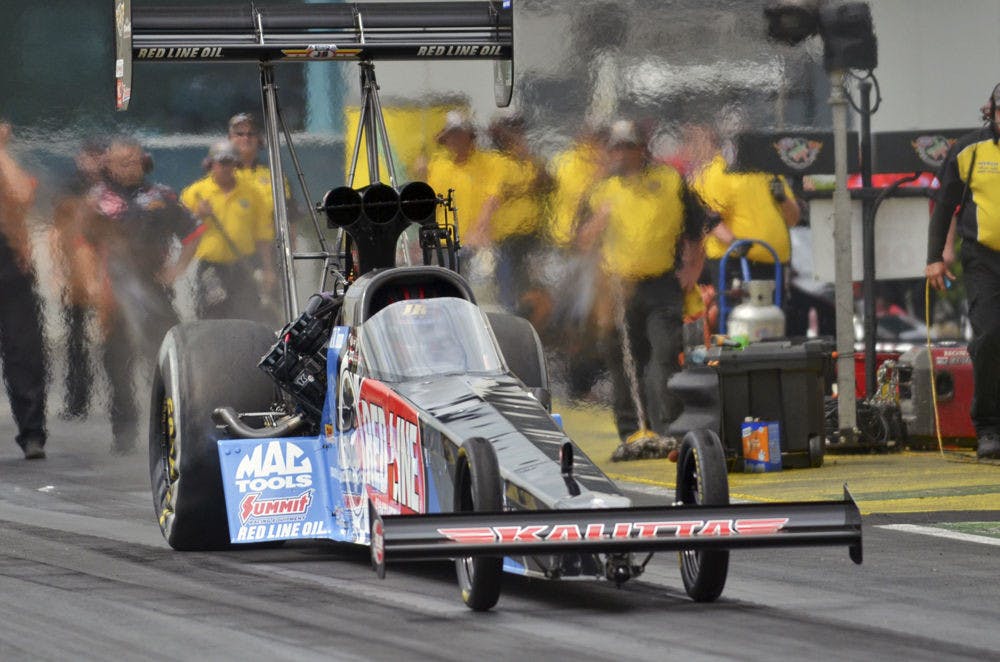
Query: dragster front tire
(702, 479)
(478, 488)
(202, 365)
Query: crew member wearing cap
(648, 228)
(237, 226)
(970, 180)
(126, 247)
(471, 172)
(244, 135)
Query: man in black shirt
(132, 234)
(20, 315)
(970, 180)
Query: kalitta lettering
(459, 51)
(271, 510)
(480, 535)
(194, 53)
(282, 531)
(276, 465)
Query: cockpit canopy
(420, 338)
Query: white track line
(941, 533)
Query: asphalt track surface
(85, 574)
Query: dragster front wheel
(479, 488)
(702, 479)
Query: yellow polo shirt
(474, 182)
(747, 208)
(241, 212)
(260, 176)
(645, 224)
(575, 171)
(520, 210)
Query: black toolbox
(776, 380)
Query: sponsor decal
(480, 535)
(276, 465)
(282, 531)
(192, 53)
(798, 153)
(485, 50)
(274, 510)
(320, 52)
(932, 149)
(392, 462)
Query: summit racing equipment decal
(479, 535)
(274, 466)
(798, 153)
(272, 510)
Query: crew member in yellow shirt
(473, 174)
(238, 230)
(648, 229)
(514, 220)
(750, 205)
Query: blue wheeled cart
(742, 245)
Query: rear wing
(361, 31)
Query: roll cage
(362, 32)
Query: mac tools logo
(274, 466)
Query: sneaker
(34, 449)
(988, 446)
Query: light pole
(848, 43)
(843, 282)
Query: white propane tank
(757, 318)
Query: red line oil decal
(478, 535)
(393, 458)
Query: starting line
(941, 533)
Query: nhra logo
(798, 153)
(274, 466)
(269, 510)
(932, 149)
(480, 535)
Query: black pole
(868, 238)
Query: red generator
(954, 383)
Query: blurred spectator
(127, 248)
(21, 335)
(513, 219)
(648, 229)
(236, 227)
(65, 239)
(574, 278)
(750, 206)
(473, 175)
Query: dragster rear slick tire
(479, 488)
(702, 479)
(202, 365)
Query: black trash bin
(779, 380)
